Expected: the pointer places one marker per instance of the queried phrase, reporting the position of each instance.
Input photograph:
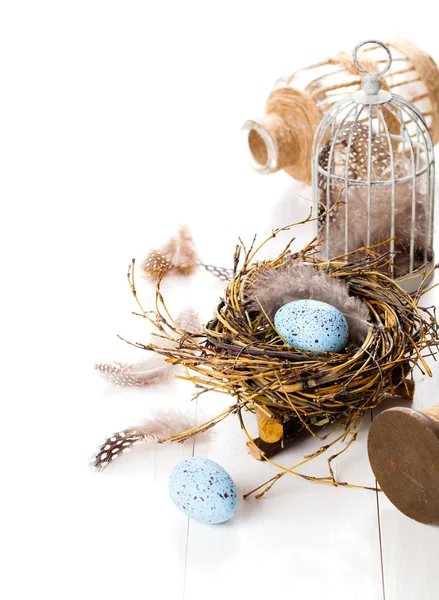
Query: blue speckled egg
(203, 490)
(312, 325)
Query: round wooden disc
(403, 448)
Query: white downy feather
(154, 369)
(298, 281)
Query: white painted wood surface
(121, 120)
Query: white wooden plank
(122, 121)
(410, 549)
(133, 538)
(410, 555)
(305, 537)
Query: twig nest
(389, 333)
(241, 353)
(312, 325)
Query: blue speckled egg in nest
(312, 325)
(203, 490)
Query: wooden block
(259, 449)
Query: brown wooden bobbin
(403, 447)
(270, 426)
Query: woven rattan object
(282, 138)
(294, 392)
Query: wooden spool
(269, 426)
(403, 448)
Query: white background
(120, 120)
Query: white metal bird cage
(373, 178)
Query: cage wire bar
(372, 149)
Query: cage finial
(365, 71)
(371, 92)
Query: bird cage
(373, 178)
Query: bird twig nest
(327, 394)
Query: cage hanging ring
(383, 45)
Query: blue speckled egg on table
(203, 490)
(312, 325)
